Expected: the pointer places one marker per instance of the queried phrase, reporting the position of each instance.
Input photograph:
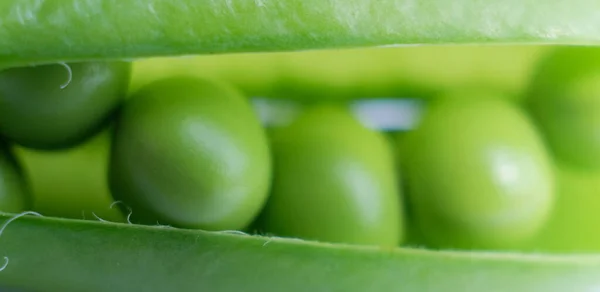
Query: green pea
(478, 174)
(191, 153)
(15, 196)
(57, 106)
(564, 99)
(334, 180)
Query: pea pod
(41, 32)
(34, 31)
(165, 259)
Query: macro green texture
(60, 105)
(189, 152)
(417, 71)
(35, 31)
(572, 225)
(564, 99)
(334, 181)
(73, 255)
(15, 195)
(478, 174)
(167, 259)
(71, 183)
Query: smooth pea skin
(334, 181)
(190, 153)
(564, 99)
(59, 105)
(478, 175)
(15, 196)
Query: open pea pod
(70, 255)
(73, 255)
(46, 31)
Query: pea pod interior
(73, 255)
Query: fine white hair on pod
(129, 210)
(8, 221)
(98, 217)
(232, 232)
(64, 85)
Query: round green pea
(478, 174)
(190, 153)
(334, 181)
(564, 99)
(15, 196)
(59, 105)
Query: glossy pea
(334, 181)
(15, 196)
(59, 105)
(478, 174)
(564, 99)
(191, 153)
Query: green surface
(190, 152)
(35, 31)
(15, 194)
(333, 180)
(478, 174)
(71, 183)
(166, 259)
(61, 105)
(357, 73)
(72, 255)
(564, 98)
(573, 224)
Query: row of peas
(476, 171)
